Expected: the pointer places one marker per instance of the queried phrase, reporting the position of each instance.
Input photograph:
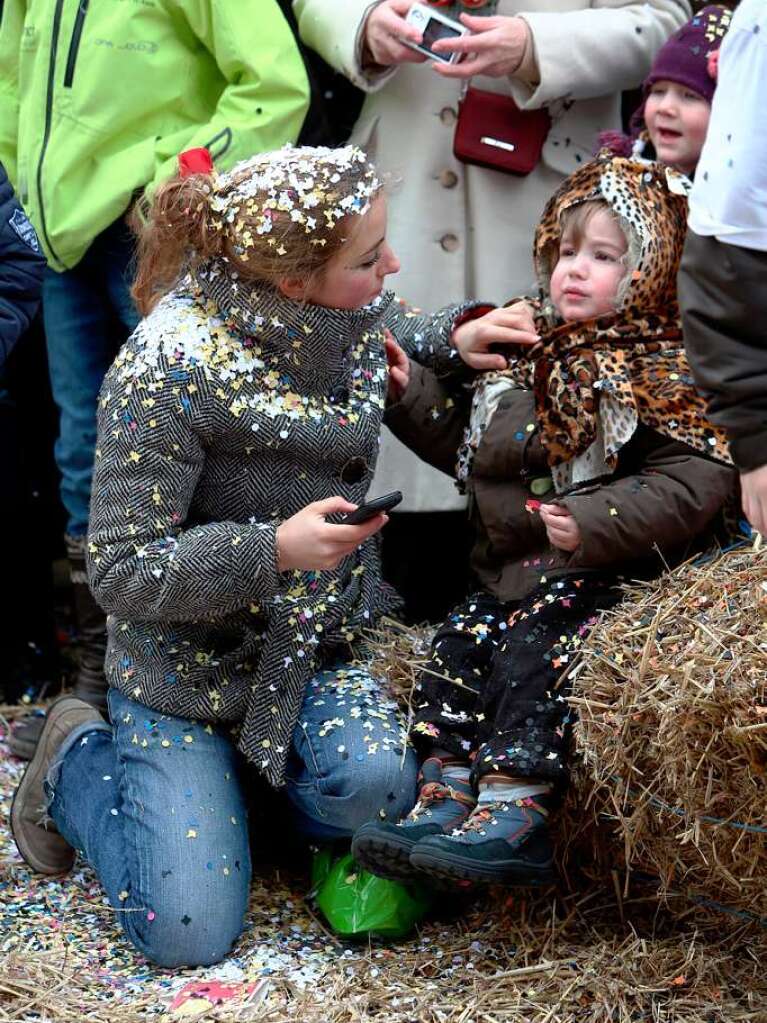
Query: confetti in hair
(278, 214)
(309, 187)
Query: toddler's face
(677, 121)
(590, 268)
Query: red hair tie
(195, 161)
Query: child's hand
(308, 543)
(561, 528)
(513, 325)
(399, 369)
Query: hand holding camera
(498, 46)
(387, 34)
(400, 32)
(435, 29)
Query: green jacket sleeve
(265, 101)
(11, 27)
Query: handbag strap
(465, 86)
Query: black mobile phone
(372, 508)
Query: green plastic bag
(357, 903)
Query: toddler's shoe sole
(451, 865)
(384, 852)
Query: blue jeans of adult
(157, 805)
(88, 313)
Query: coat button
(355, 470)
(450, 242)
(448, 179)
(448, 116)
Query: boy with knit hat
(671, 123)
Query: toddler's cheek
(555, 287)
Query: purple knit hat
(684, 57)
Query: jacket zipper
(74, 45)
(48, 118)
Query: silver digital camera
(433, 26)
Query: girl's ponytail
(174, 231)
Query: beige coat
(466, 232)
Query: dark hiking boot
(443, 804)
(500, 843)
(38, 841)
(90, 683)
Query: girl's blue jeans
(157, 805)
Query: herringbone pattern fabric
(226, 412)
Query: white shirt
(729, 197)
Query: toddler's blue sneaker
(499, 843)
(443, 805)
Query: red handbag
(493, 132)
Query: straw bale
(669, 779)
(671, 693)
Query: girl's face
(677, 120)
(589, 271)
(356, 274)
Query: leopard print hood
(649, 200)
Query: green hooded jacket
(98, 97)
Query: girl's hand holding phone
(307, 543)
